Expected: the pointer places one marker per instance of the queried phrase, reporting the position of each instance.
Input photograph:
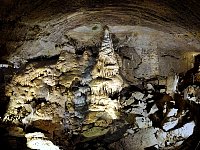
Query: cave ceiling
(173, 25)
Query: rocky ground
(81, 99)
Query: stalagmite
(176, 79)
(106, 79)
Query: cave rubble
(99, 75)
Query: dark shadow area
(189, 78)
(11, 142)
(7, 141)
(5, 77)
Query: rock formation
(99, 74)
(85, 96)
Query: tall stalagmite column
(106, 80)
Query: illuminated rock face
(106, 79)
(105, 82)
(82, 92)
(72, 92)
(38, 140)
(47, 93)
(43, 90)
(84, 95)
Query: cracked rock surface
(99, 75)
(86, 98)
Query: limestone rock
(37, 140)
(140, 140)
(95, 132)
(172, 122)
(143, 122)
(138, 95)
(166, 139)
(192, 93)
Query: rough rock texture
(142, 139)
(154, 33)
(99, 74)
(37, 140)
(85, 97)
(67, 92)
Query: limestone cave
(99, 75)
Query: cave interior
(100, 75)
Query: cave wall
(65, 89)
(145, 52)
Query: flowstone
(83, 97)
(72, 92)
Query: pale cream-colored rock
(137, 141)
(105, 81)
(130, 131)
(50, 80)
(37, 140)
(26, 77)
(138, 95)
(55, 96)
(173, 137)
(62, 93)
(153, 109)
(171, 123)
(143, 122)
(36, 83)
(172, 83)
(105, 69)
(130, 101)
(106, 86)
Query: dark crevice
(172, 56)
